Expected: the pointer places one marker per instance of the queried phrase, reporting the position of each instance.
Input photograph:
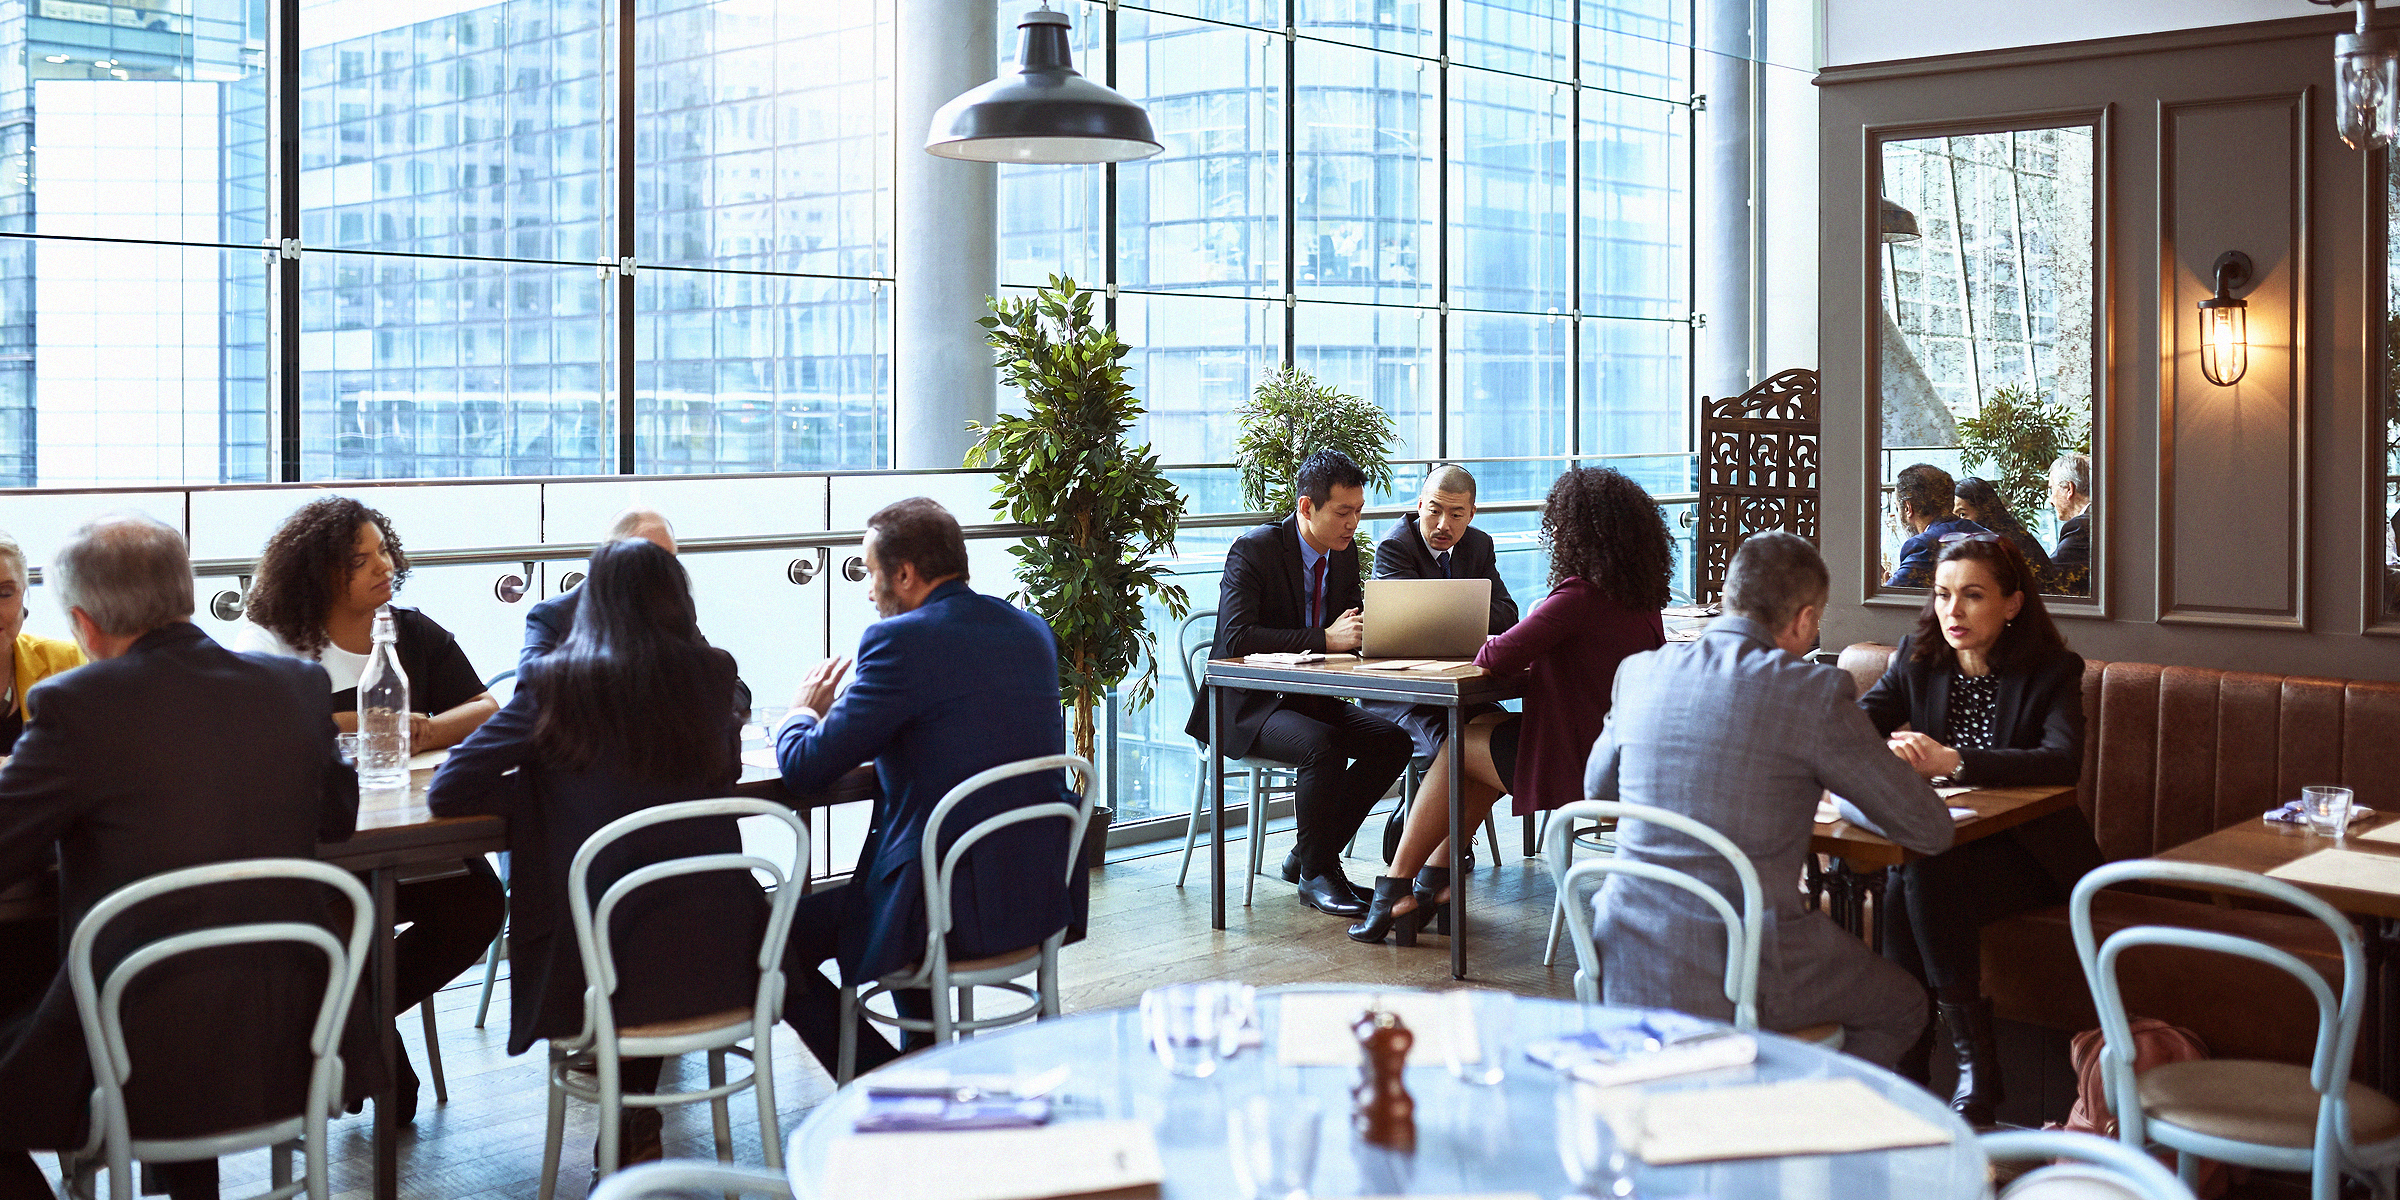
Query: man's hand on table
(1346, 632)
(818, 687)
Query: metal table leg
(1215, 699)
(387, 1035)
(1458, 858)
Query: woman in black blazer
(634, 709)
(1991, 697)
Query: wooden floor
(487, 1141)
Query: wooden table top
(1349, 675)
(2259, 846)
(1995, 809)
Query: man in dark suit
(2071, 499)
(167, 751)
(1926, 500)
(547, 623)
(950, 682)
(1440, 543)
(1294, 586)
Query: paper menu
(2354, 870)
(1313, 1028)
(2386, 832)
(1073, 1158)
(1765, 1120)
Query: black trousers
(812, 1005)
(1348, 758)
(1941, 904)
(451, 923)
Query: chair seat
(1829, 1032)
(2266, 1103)
(965, 966)
(686, 1026)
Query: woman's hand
(1927, 757)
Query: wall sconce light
(2225, 323)
(2366, 76)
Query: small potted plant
(1292, 415)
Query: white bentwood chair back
(99, 1004)
(1576, 883)
(2096, 1167)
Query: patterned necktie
(1444, 559)
(1316, 593)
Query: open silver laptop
(1426, 618)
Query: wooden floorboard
(1145, 931)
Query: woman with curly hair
(320, 581)
(1610, 554)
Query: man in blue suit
(950, 682)
(1927, 502)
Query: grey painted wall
(2234, 523)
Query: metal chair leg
(433, 1053)
(1257, 833)
(558, 1126)
(491, 973)
(1191, 828)
(718, 1113)
(1558, 922)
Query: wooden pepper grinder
(1384, 1115)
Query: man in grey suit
(1737, 731)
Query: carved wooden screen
(1758, 470)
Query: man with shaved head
(547, 625)
(1440, 543)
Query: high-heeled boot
(1380, 920)
(1429, 885)
(1978, 1095)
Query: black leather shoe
(405, 1112)
(1332, 895)
(1429, 885)
(1389, 891)
(1978, 1095)
(1291, 867)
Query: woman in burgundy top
(1609, 559)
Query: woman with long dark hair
(633, 709)
(326, 572)
(1609, 558)
(1992, 698)
(1980, 502)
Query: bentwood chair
(936, 971)
(2277, 1116)
(658, 1180)
(605, 1045)
(2079, 1166)
(1267, 777)
(100, 1004)
(1744, 925)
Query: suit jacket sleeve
(475, 779)
(1854, 764)
(868, 716)
(38, 798)
(1241, 599)
(1392, 557)
(1887, 703)
(541, 637)
(2056, 696)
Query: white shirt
(343, 666)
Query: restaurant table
(392, 838)
(1470, 1139)
(1453, 688)
(2260, 846)
(1861, 858)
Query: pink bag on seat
(2154, 1042)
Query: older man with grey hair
(2071, 499)
(1739, 732)
(167, 751)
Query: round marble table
(1469, 1139)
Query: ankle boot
(1430, 883)
(1978, 1096)
(1380, 919)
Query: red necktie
(1316, 593)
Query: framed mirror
(1984, 362)
(2383, 532)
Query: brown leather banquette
(2172, 754)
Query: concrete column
(1722, 278)
(945, 243)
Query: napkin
(899, 1114)
(1659, 1046)
(1313, 1028)
(2295, 812)
(1765, 1120)
(1072, 1158)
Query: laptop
(1426, 618)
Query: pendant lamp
(1044, 112)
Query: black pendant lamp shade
(1044, 113)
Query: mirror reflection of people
(1926, 502)
(2071, 498)
(1991, 697)
(1980, 502)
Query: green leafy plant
(1292, 415)
(1105, 507)
(2016, 437)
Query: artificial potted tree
(1106, 510)
(1292, 415)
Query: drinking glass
(1598, 1163)
(1273, 1141)
(2328, 809)
(1184, 1022)
(1488, 1020)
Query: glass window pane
(1206, 215)
(1508, 192)
(137, 364)
(1635, 387)
(1640, 47)
(1383, 354)
(760, 373)
(422, 368)
(1053, 216)
(1368, 124)
(1195, 360)
(1528, 37)
(763, 136)
(1407, 26)
(1508, 396)
(464, 133)
(1262, 14)
(1636, 207)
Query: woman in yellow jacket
(32, 658)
